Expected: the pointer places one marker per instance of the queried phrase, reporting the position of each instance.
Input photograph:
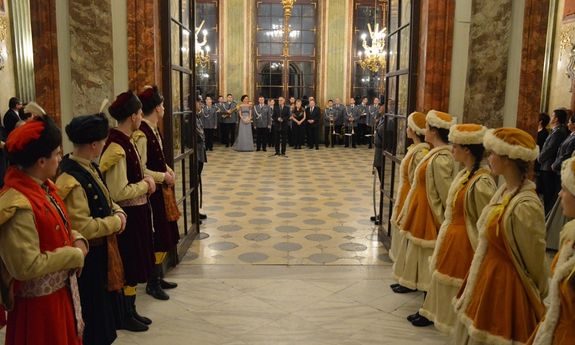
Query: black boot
(142, 319)
(125, 315)
(154, 286)
(167, 285)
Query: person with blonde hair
(501, 301)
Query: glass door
(178, 71)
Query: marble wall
(335, 54)
(488, 61)
(233, 73)
(559, 93)
(8, 88)
(91, 54)
(144, 49)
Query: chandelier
(202, 58)
(373, 57)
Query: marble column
(234, 59)
(435, 50)
(143, 43)
(336, 52)
(46, 73)
(91, 54)
(489, 42)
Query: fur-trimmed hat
(125, 105)
(568, 175)
(150, 98)
(439, 119)
(511, 142)
(467, 134)
(33, 140)
(86, 129)
(416, 121)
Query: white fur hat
(439, 119)
(511, 142)
(467, 134)
(416, 121)
(568, 175)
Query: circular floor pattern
(385, 258)
(345, 229)
(257, 237)
(288, 246)
(244, 193)
(333, 204)
(365, 221)
(222, 246)
(266, 190)
(286, 193)
(202, 236)
(352, 247)
(308, 198)
(287, 229)
(314, 221)
(265, 198)
(360, 209)
(214, 208)
(323, 258)
(318, 237)
(347, 190)
(352, 199)
(239, 202)
(235, 214)
(220, 197)
(338, 215)
(252, 257)
(262, 209)
(311, 209)
(287, 215)
(229, 228)
(260, 221)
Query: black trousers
(328, 136)
(350, 138)
(280, 138)
(338, 135)
(312, 136)
(261, 138)
(551, 188)
(361, 132)
(210, 132)
(270, 138)
(298, 135)
(228, 133)
(370, 138)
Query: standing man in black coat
(313, 116)
(280, 125)
(548, 154)
(12, 116)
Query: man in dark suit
(12, 116)
(313, 116)
(552, 181)
(280, 126)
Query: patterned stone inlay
(257, 236)
(308, 198)
(338, 215)
(244, 193)
(214, 208)
(345, 229)
(287, 228)
(260, 221)
(314, 221)
(252, 257)
(202, 236)
(318, 237)
(286, 203)
(359, 209)
(287, 215)
(235, 214)
(333, 204)
(265, 198)
(323, 258)
(223, 246)
(229, 228)
(220, 197)
(262, 209)
(353, 247)
(311, 209)
(288, 246)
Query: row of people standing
(455, 236)
(114, 224)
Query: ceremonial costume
(229, 122)
(501, 299)
(414, 155)
(362, 115)
(39, 262)
(424, 207)
(350, 122)
(329, 133)
(468, 195)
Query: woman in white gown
(245, 140)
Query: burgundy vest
(134, 169)
(155, 160)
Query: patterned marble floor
(311, 208)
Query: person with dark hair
(245, 140)
(280, 125)
(372, 112)
(272, 105)
(566, 148)
(298, 116)
(362, 110)
(351, 118)
(542, 134)
(129, 187)
(425, 204)
(98, 219)
(501, 299)
(229, 120)
(416, 125)
(262, 123)
(40, 255)
(313, 116)
(551, 181)
(149, 143)
(12, 116)
(209, 118)
(468, 195)
(329, 118)
(557, 325)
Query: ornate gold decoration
(3, 39)
(288, 6)
(202, 58)
(567, 44)
(373, 57)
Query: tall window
(286, 70)
(207, 76)
(366, 82)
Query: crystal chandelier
(373, 57)
(202, 58)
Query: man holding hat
(149, 143)
(98, 219)
(40, 254)
(129, 188)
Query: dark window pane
(276, 48)
(308, 23)
(308, 49)
(308, 10)
(265, 23)
(308, 37)
(263, 10)
(277, 10)
(264, 49)
(295, 49)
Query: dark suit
(11, 118)
(565, 151)
(551, 181)
(313, 128)
(280, 127)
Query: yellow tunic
(454, 249)
(414, 155)
(113, 166)
(140, 141)
(502, 298)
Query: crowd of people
(296, 122)
(478, 252)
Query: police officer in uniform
(209, 118)
(262, 123)
(372, 113)
(351, 118)
(329, 124)
(339, 110)
(229, 120)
